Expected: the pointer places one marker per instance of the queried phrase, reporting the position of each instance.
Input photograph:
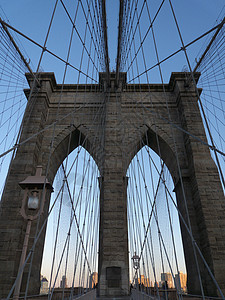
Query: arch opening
(72, 235)
(154, 232)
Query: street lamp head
(34, 196)
(136, 261)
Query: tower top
(111, 81)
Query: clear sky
(194, 17)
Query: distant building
(44, 286)
(141, 279)
(93, 280)
(63, 282)
(182, 283)
(144, 281)
(167, 277)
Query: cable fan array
(70, 260)
(13, 101)
(212, 83)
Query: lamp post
(34, 187)
(136, 264)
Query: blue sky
(194, 18)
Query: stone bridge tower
(127, 118)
